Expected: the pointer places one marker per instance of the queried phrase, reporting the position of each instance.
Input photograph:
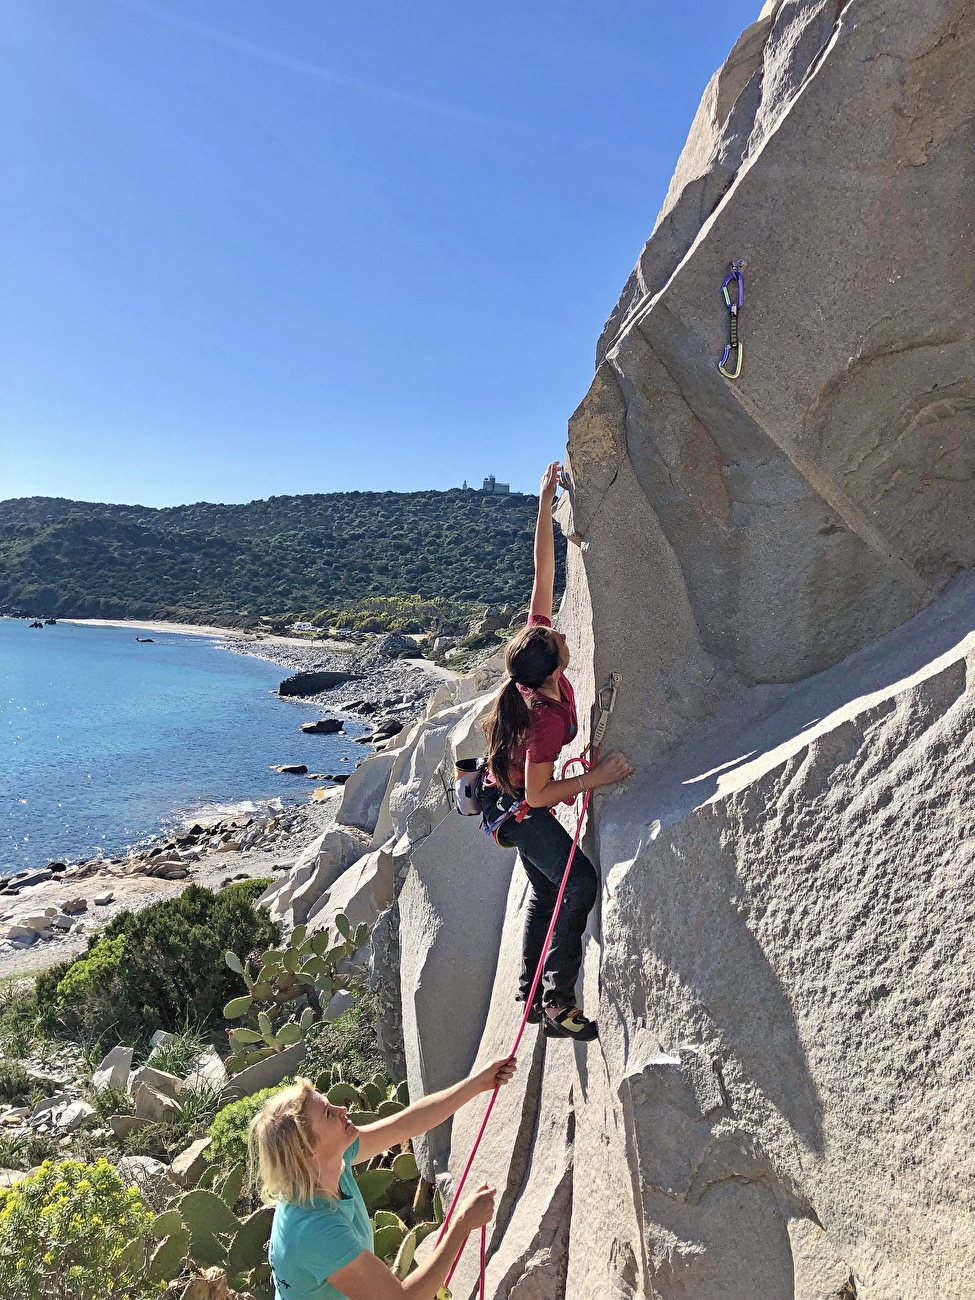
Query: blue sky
(253, 247)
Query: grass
(351, 1040)
(14, 1085)
(177, 1056)
(11, 1150)
(20, 1027)
(112, 1101)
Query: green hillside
(332, 555)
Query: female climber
(321, 1236)
(533, 717)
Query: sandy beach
(252, 643)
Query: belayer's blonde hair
(282, 1147)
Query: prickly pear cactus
(305, 969)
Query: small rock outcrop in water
(323, 727)
(779, 1104)
(311, 683)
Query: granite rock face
(779, 1106)
(786, 519)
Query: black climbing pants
(544, 847)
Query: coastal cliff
(779, 1104)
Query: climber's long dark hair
(531, 657)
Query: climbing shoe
(570, 1023)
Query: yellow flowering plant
(74, 1230)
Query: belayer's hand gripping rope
(733, 299)
(606, 701)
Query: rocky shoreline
(47, 914)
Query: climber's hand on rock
(497, 1073)
(550, 482)
(612, 768)
(478, 1208)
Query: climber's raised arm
(428, 1112)
(544, 585)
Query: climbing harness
(606, 703)
(733, 299)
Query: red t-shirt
(554, 722)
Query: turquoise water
(105, 742)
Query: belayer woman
(321, 1236)
(533, 717)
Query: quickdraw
(610, 690)
(733, 301)
(608, 693)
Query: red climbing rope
(524, 1021)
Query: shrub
(91, 991)
(14, 1083)
(19, 1027)
(160, 966)
(177, 1056)
(12, 1147)
(113, 1101)
(229, 1128)
(351, 1041)
(197, 1108)
(63, 1232)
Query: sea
(106, 743)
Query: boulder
(364, 793)
(338, 852)
(23, 879)
(114, 1070)
(320, 864)
(265, 1074)
(452, 908)
(188, 1167)
(123, 1125)
(206, 1071)
(149, 1175)
(61, 921)
(67, 1118)
(46, 1106)
(151, 1104)
(779, 565)
(39, 922)
(323, 727)
(312, 683)
(21, 932)
(290, 769)
(160, 1080)
(362, 892)
(389, 727)
(103, 900)
(160, 1039)
(339, 1004)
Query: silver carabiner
(605, 710)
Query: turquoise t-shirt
(309, 1242)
